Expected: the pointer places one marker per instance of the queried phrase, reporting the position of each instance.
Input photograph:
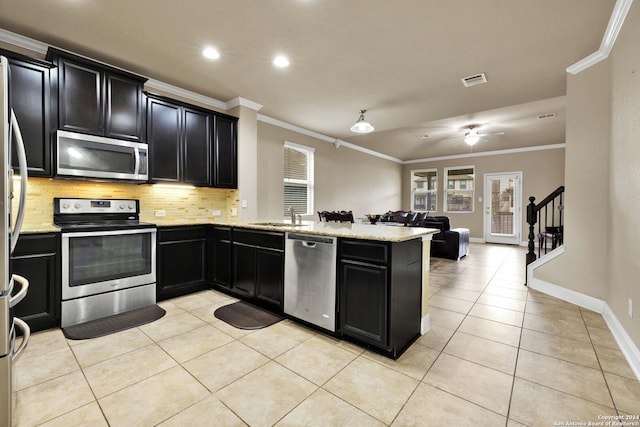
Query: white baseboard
(476, 239)
(425, 324)
(626, 344)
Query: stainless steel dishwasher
(310, 279)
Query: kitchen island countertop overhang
(348, 230)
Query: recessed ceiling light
(210, 53)
(281, 61)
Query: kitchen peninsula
(382, 274)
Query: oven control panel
(82, 206)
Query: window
(460, 189)
(298, 179)
(424, 190)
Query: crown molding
(41, 48)
(620, 11)
(340, 143)
(243, 102)
(152, 84)
(336, 142)
(23, 42)
(488, 153)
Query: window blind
(298, 179)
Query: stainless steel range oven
(108, 258)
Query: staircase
(547, 215)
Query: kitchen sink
(278, 224)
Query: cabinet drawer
(181, 233)
(364, 250)
(265, 239)
(221, 233)
(30, 244)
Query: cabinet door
(363, 290)
(270, 275)
(225, 159)
(244, 268)
(36, 258)
(163, 136)
(124, 108)
(197, 143)
(181, 267)
(30, 98)
(80, 98)
(220, 256)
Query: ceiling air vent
(547, 116)
(476, 79)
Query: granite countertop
(335, 229)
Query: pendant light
(362, 126)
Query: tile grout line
(515, 367)
(604, 377)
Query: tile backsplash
(181, 205)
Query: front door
(502, 208)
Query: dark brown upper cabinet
(191, 145)
(179, 138)
(96, 99)
(225, 155)
(29, 97)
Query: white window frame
(426, 192)
(309, 182)
(447, 190)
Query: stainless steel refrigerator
(13, 288)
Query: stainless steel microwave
(90, 156)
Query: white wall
(602, 229)
(247, 161)
(345, 179)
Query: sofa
(450, 243)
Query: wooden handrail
(551, 231)
(550, 197)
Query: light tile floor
(497, 355)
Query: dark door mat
(111, 324)
(246, 316)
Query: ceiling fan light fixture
(362, 126)
(472, 137)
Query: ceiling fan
(472, 136)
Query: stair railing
(548, 215)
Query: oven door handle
(24, 287)
(22, 166)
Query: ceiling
(401, 60)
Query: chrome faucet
(292, 212)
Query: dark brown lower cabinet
(379, 293)
(368, 284)
(219, 256)
(181, 261)
(258, 266)
(37, 258)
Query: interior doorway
(503, 207)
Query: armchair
(448, 243)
